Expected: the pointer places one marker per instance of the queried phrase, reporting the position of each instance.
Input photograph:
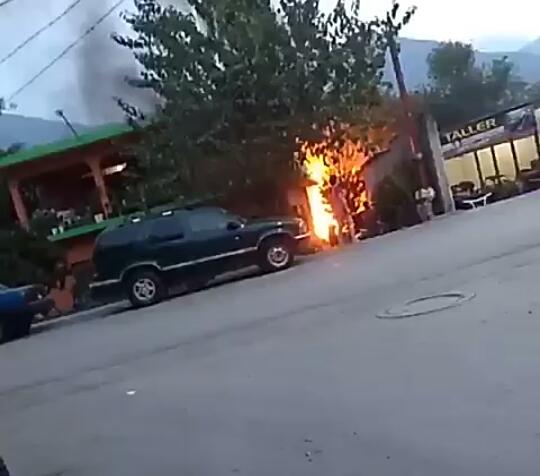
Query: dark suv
(143, 258)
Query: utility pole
(412, 127)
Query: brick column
(18, 203)
(97, 173)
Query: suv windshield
(120, 236)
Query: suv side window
(121, 236)
(208, 221)
(166, 228)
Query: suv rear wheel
(276, 254)
(145, 288)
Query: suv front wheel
(276, 254)
(145, 288)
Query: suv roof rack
(170, 212)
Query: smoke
(103, 67)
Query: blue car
(19, 307)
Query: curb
(82, 316)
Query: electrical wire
(39, 32)
(66, 50)
(5, 2)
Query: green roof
(99, 134)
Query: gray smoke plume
(105, 68)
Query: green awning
(87, 229)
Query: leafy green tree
(532, 92)
(460, 89)
(12, 149)
(238, 82)
(26, 258)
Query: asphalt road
(292, 374)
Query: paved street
(292, 374)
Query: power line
(66, 50)
(39, 32)
(5, 2)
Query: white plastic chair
(475, 203)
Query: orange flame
(321, 212)
(343, 158)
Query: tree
(532, 92)
(460, 89)
(237, 82)
(26, 258)
(12, 149)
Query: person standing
(424, 202)
(341, 211)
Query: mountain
(414, 54)
(533, 47)
(31, 131)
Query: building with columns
(69, 182)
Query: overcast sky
(490, 23)
(78, 84)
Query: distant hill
(31, 131)
(414, 55)
(533, 47)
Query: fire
(321, 212)
(320, 161)
(342, 150)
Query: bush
(26, 258)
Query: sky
(80, 84)
(491, 24)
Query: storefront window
(526, 152)
(462, 169)
(486, 163)
(505, 161)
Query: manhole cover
(426, 305)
